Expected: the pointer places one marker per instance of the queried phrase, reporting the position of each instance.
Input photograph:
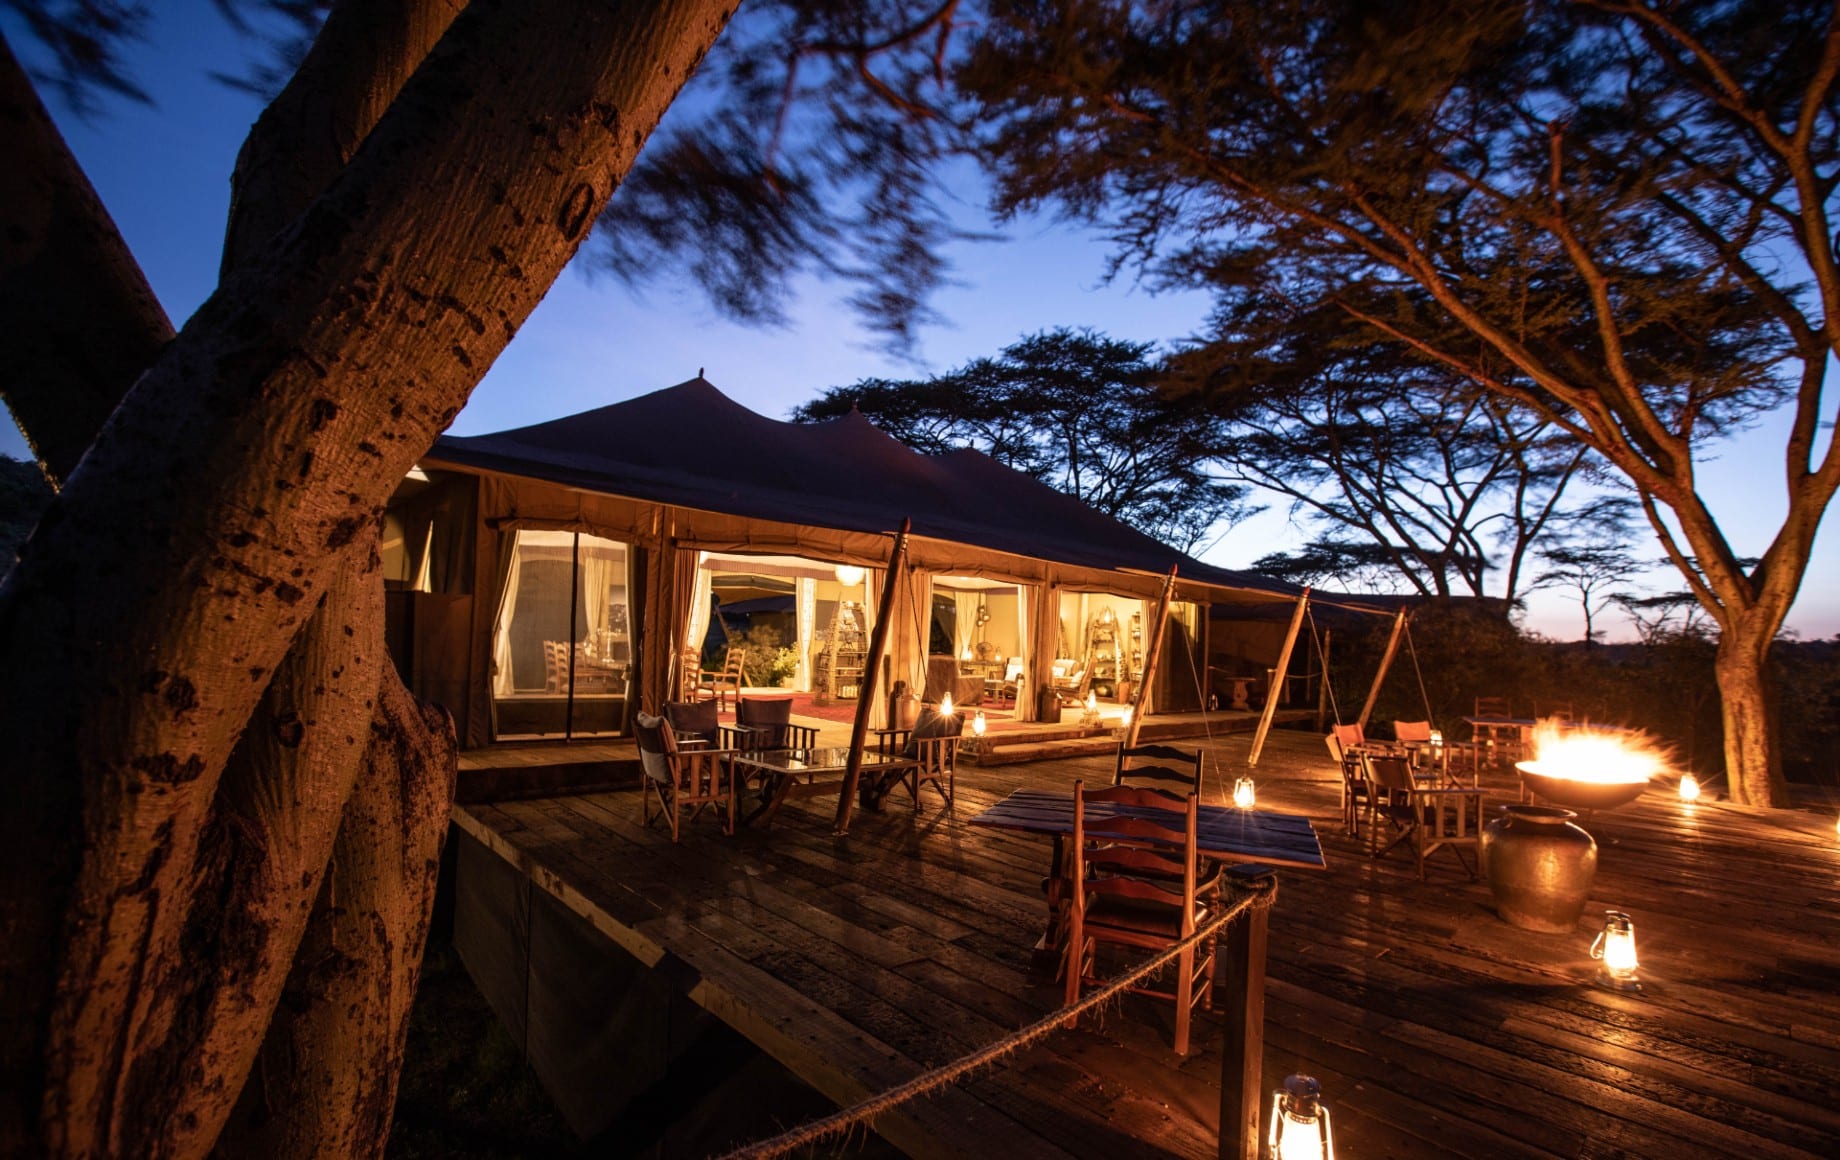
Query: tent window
(563, 644)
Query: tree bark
(133, 649)
(1753, 763)
(81, 321)
(326, 1081)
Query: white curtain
(698, 623)
(501, 635)
(806, 609)
(600, 562)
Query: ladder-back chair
(1177, 769)
(1125, 909)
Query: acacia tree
(1388, 457)
(1615, 213)
(207, 745)
(1077, 410)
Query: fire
(1583, 753)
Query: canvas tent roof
(692, 446)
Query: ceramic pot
(1540, 867)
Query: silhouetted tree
(1616, 215)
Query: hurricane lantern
(978, 724)
(1300, 1122)
(1615, 949)
(945, 705)
(1242, 793)
(1124, 718)
(1689, 788)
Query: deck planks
(1437, 1030)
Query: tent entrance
(562, 644)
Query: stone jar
(1539, 866)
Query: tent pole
(1277, 679)
(1150, 658)
(1386, 662)
(1322, 684)
(865, 696)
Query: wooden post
(1150, 658)
(872, 668)
(1277, 679)
(1239, 996)
(1386, 662)
(1322, 683)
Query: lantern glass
(978, 724)
(1300, 1122)
(1616, 949)
(1242, 793)
(1689, 788)
(1125, 717)
(945, 705)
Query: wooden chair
(1180, 768)
(1429, 817)
(766, 725)
(555, 666)
(679, 779)
(1559, 709)
(1492, 707)
(1126, 909)
(933, 749)
(719, 683)
(1356, 794)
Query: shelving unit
(840, 664)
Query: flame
(1582, 753)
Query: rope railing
(1258, 895)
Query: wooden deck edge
(957, 1124)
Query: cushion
(650, 733)
(692, 718)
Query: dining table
(1222, 834)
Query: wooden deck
(1436, 1029)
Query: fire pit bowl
(1579, 793)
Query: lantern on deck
(1300, 1122)
(978, 724)
(945, 705)
(1689, 788)
(1616, 949)
(1242, 793)
(1092, 708)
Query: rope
(1424, 698)
(1207, 727)
(1259, 896)
(1335, 710)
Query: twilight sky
(164, 174)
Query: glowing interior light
(1616, 949)
(849, 575)
(1689, 788)
(1124, 718)
(1242, 793)
(1300, 1122)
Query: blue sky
(164, 174)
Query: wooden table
(807, 772)
(1222, 833)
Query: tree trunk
(325, 1084)
(1753, 761)
(232, 488)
